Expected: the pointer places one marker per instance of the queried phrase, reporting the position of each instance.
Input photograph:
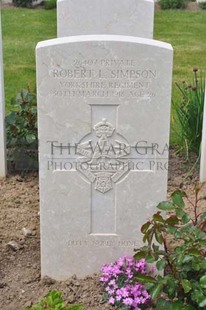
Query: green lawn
(186, 31)
(23, 28)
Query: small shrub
(184, 282)
(53, 301)
(21, 125)
(50, 4)
(23, 3)
(189, 114)
(202, 5)
(120, 287)
(172, 4)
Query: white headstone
(122, 17)
(103, 119)
(203, 146)
(2, 113)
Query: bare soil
(20, 281)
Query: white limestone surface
(3, 168)
(89, 17)
(203, 146)
(103, 119)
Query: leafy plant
(50, 4)
(202, 5)
(172, 4)
(184, 282)
(189, 113)
(21, 125)
(23, 3)
(53, 301)
(120, 287)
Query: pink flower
(112, 282)
(111, 300)
(124, 292)
(118, 281)
(128, 301)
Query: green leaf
(162, 304)
(177, 198)
(180, 258)
(180, 213)
(145, 279)
(10, 119)
(185, 219)
(30, 138)
(13, 101)
(156, 290)
(149, 236)
(177, 234)
(189, 307)
(197, 295)
(145, 227)
(150, 259)
(203, 216)
(140, 255)
(177, 305)
(158, 237)
(203, 281)
(187, 259)
(171, 287)
(203, 264)
(186, 285)
(194, 252)
(161, 264)
(171, 229)
(203, 303)
(53, 301)
(155, 247)
(166, 206)
(169, 305)
(158, 218)
(202, 242)
(172, 220)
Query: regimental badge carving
(104, 157)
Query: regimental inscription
(107, 163)
(98, 78)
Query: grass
(23, 28)
(185, 31)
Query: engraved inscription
(108, 78)
(102, 243)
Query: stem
(195, 208)
(167, 258)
